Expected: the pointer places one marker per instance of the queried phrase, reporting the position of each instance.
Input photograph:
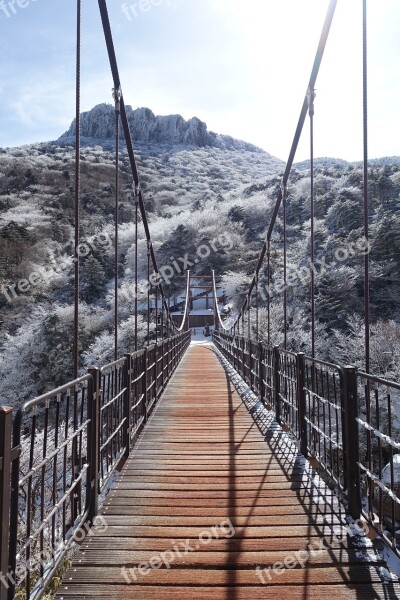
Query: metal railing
(377, 456)
(59, 454)
(340, 417)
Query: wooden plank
(117, 557)
(131, 508)
(361, 591)
(164, 576)
(287, 544)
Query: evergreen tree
(92, 280)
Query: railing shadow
(327, 524)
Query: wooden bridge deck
(210, 493)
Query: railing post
(5, 490)
(162, 366)
(93, 442)
(261, 380)
(127, 403)
(276, 365)
(251, 376)
(156, 372)
(146, 383)
(351, 441)
(301, 402)
(175, 353)
(242, 371)
(235, 355)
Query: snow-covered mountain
(98, 126)
(199, 187)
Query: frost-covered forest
(193, 195)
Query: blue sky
(242, 67)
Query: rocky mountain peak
(97, 127)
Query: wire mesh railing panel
(323, 385)
(138, 394)
(113, 420)
(151, 376)
(379, 457)
(288, 400)
(254, 351)
(49, 492)
(267, 376)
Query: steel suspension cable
(162, 325)
(185, 319)
(217, 314)
(156, 313)
(117, 99)
(257, 305)
(303, 114)
(248, 320)
(365, 191)
(74, 450)
(128, 140)
(77, 187)
(148, 294)
(285, 325)
(268, 295)
(312, 223)
(136, 269)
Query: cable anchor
(310, 100)
(117, 95)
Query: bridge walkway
(215, 502)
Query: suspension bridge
(217, 469)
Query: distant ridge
(322, 162)
(329, 162)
